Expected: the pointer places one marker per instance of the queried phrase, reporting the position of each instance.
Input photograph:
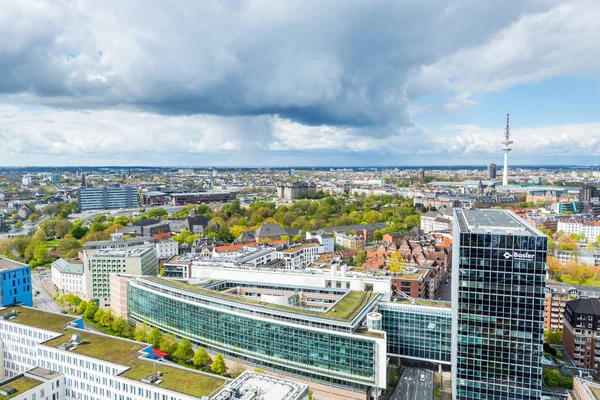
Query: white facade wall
(591, 232)
(166, 249)
(301, 258)
(67, 282)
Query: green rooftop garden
(127, 353)
(429, 303)
(177, 379)
(345, 310)
(21, 384)
(40, 319)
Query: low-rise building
(166, 248)
(436, 221)
(67, 276)
(349, 241)
(16, 283)
(37, 383)
(557, 296)
(325, 239)
(590, 228)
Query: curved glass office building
(274, 327)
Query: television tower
(506, 142)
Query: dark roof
(190, 222)
(293, 232)
(144, 222)
(368, 227)
(270, 230)
(585, 305)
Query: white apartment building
(93, 366)
(67, 276)
(325, 239)
(301, 256)
(99, 264)
(435, 221)
(166, 249)
(590, 228)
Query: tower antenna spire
(506, 142)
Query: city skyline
(282, 84)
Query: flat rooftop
(298, 248)
(39, 319)
(21, 385)
(254, 386)
(493, 221)
(126, 252)
(127, 353)
(345, 310)
(5, 263)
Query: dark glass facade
(332, 358)
(500, 316)
(417, 332)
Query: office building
(312, 334)
(580, 329)
(106, 198)
(209, 196)
(67, 276)
(498, 284)
(418, 330)
(492, 171)
(38, 383)
(16, 283)
(99, 264)
(92, 366)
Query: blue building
(16, 283)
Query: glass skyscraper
(498, 285)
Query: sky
(298, 82)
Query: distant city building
(295, 190)
(492, 171)
(420, 174)
(436, 221)
(26, 180)
(498, 284)
(16, 283)
(590, 228)
(590, 194)
(209, 196)
(106, 198)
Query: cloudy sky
(307, 82)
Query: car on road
(422, 378)
(63, 312)
(447, 280)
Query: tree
(78, 231)
(119, 325)
(41, 255)
(201, 358)
(121, 220)
(157, 213)
(555, 268)
(155, 338)
(372, 217)
(218, 366)
(68, 245)
(237, 230)
(62, 227)
(224, 234)
(82, 307)
(168, 343)
(107, 318)
(361, 258)
(141, 333)
(553, 337)
(235, 207)
(378, 235)
(396, 262)
(412, 221)
(90, 309)
(236, 371)
(99, 315)
(184, 351)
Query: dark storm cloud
(334, 63)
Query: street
(446, 293)
(410, 386)
(43, 301)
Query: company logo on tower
(519, 256)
